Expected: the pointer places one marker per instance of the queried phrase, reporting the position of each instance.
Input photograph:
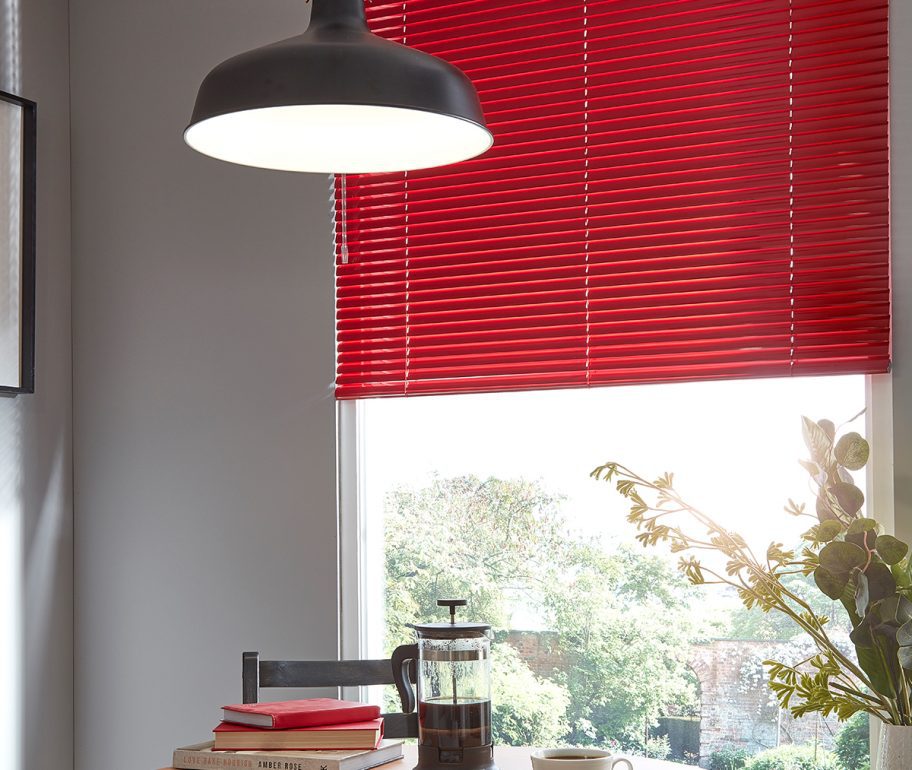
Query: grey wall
(204, 416)
(901, 223)
(35, 430)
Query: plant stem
(774, 594)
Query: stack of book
(311, 734)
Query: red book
(310, 712)
(352, 735)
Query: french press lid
(451, 630)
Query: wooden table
(517, 758)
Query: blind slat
(678, 190)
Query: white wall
(36, 700)
(204, 416)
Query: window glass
(599, 641)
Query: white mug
(576, 759)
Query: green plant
(728, 758)
(853, 746)
(527, 710)
(790, 757)
(657, 748)
(852, 562)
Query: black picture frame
(28, 155)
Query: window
(680, 192)
(597, 640)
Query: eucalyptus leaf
(885, 631)
(849, 497)
(905, 657)
(865, 539)
(824, 512)
(823, 532)
(888, 610)
(904, 635)
(830, 584)
(862, 597)
(901, 575)
(895, 609)
(852, 451)
(861, 633)
(829, 530)
(863, 525)
(817, 441)
(828, 427)
(841, 558)
(890, 549)
(810, 467)
(881, 584)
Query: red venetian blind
(678, 190)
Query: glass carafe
(454, 694)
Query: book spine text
(213, 760)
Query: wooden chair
(258, 673)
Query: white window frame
(879, 491)
(360, 604)
(352, 633)
(358, 601)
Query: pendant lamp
(338, 99)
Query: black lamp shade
(338, 99)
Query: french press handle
(405, 671)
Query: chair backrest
(258, 673)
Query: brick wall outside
(737, 709)
(540, 650)
(736, 706)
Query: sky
(733, 447)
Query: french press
(454, 692)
